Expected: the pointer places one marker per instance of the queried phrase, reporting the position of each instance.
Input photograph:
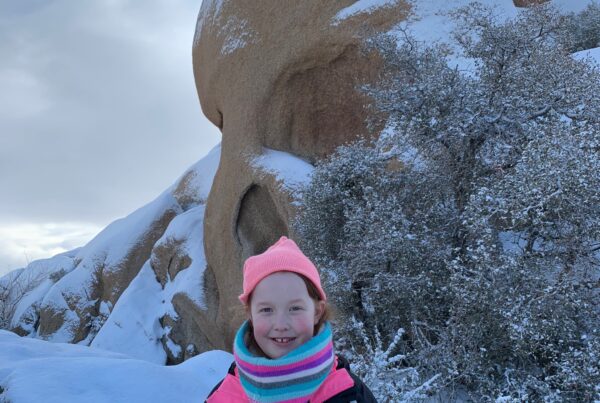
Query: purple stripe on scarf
(327, 354)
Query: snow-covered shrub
(14, 286)
(360, 202)
(380, 368)
(473, 222)
(530, 275)
(582, 30)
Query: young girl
(284, 351)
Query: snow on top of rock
(30, 284)
(70, 276)
(237, 35)
(430, 21)
(70, 373)
(573, 6)
(210, 9)
(133, 327)
(199, 177)
(291, 171)
(188, 228)
(107, 250)
(361, 6)
(234, 32)
(120, 236)
(27, 302)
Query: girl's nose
(281, 322)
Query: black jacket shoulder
(359, 393)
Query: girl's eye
(296, 308)
(265, 310)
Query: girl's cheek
(260, 325)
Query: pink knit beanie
(284, 255)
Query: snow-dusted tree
(582, 30)
(532, 268)
(15, 286)
(473, 222)
(379, 227)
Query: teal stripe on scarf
(318, 342)
(278, 395)
(292, 388)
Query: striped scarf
(292, 378)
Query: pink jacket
(336, 382)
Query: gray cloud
(98, 107)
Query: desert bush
(473, 221)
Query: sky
(98, 115)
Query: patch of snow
(590, 54)
(28, 286)
(29, 299)
(143, 304)
(430, 21)
(200, 175)
(236, 34)
(512, 242)
(105, 252)
(361, 6)
(290, 171)
(72, 373)
(189, 229)
(174, 348)
(133, 327)
(210, 10)
(571, 6)
(119, 237)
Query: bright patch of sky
(21, 243)
(98, 115)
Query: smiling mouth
(283, 340)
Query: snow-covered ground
(38, 371)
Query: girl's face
(283, 315)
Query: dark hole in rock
(259, 224)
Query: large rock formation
(283, 76)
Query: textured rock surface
(282, 76)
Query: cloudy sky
(98, 115)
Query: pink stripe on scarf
(263, 368)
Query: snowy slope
(39, 371)
(66, 282)
(133, 326)
(72, 293)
